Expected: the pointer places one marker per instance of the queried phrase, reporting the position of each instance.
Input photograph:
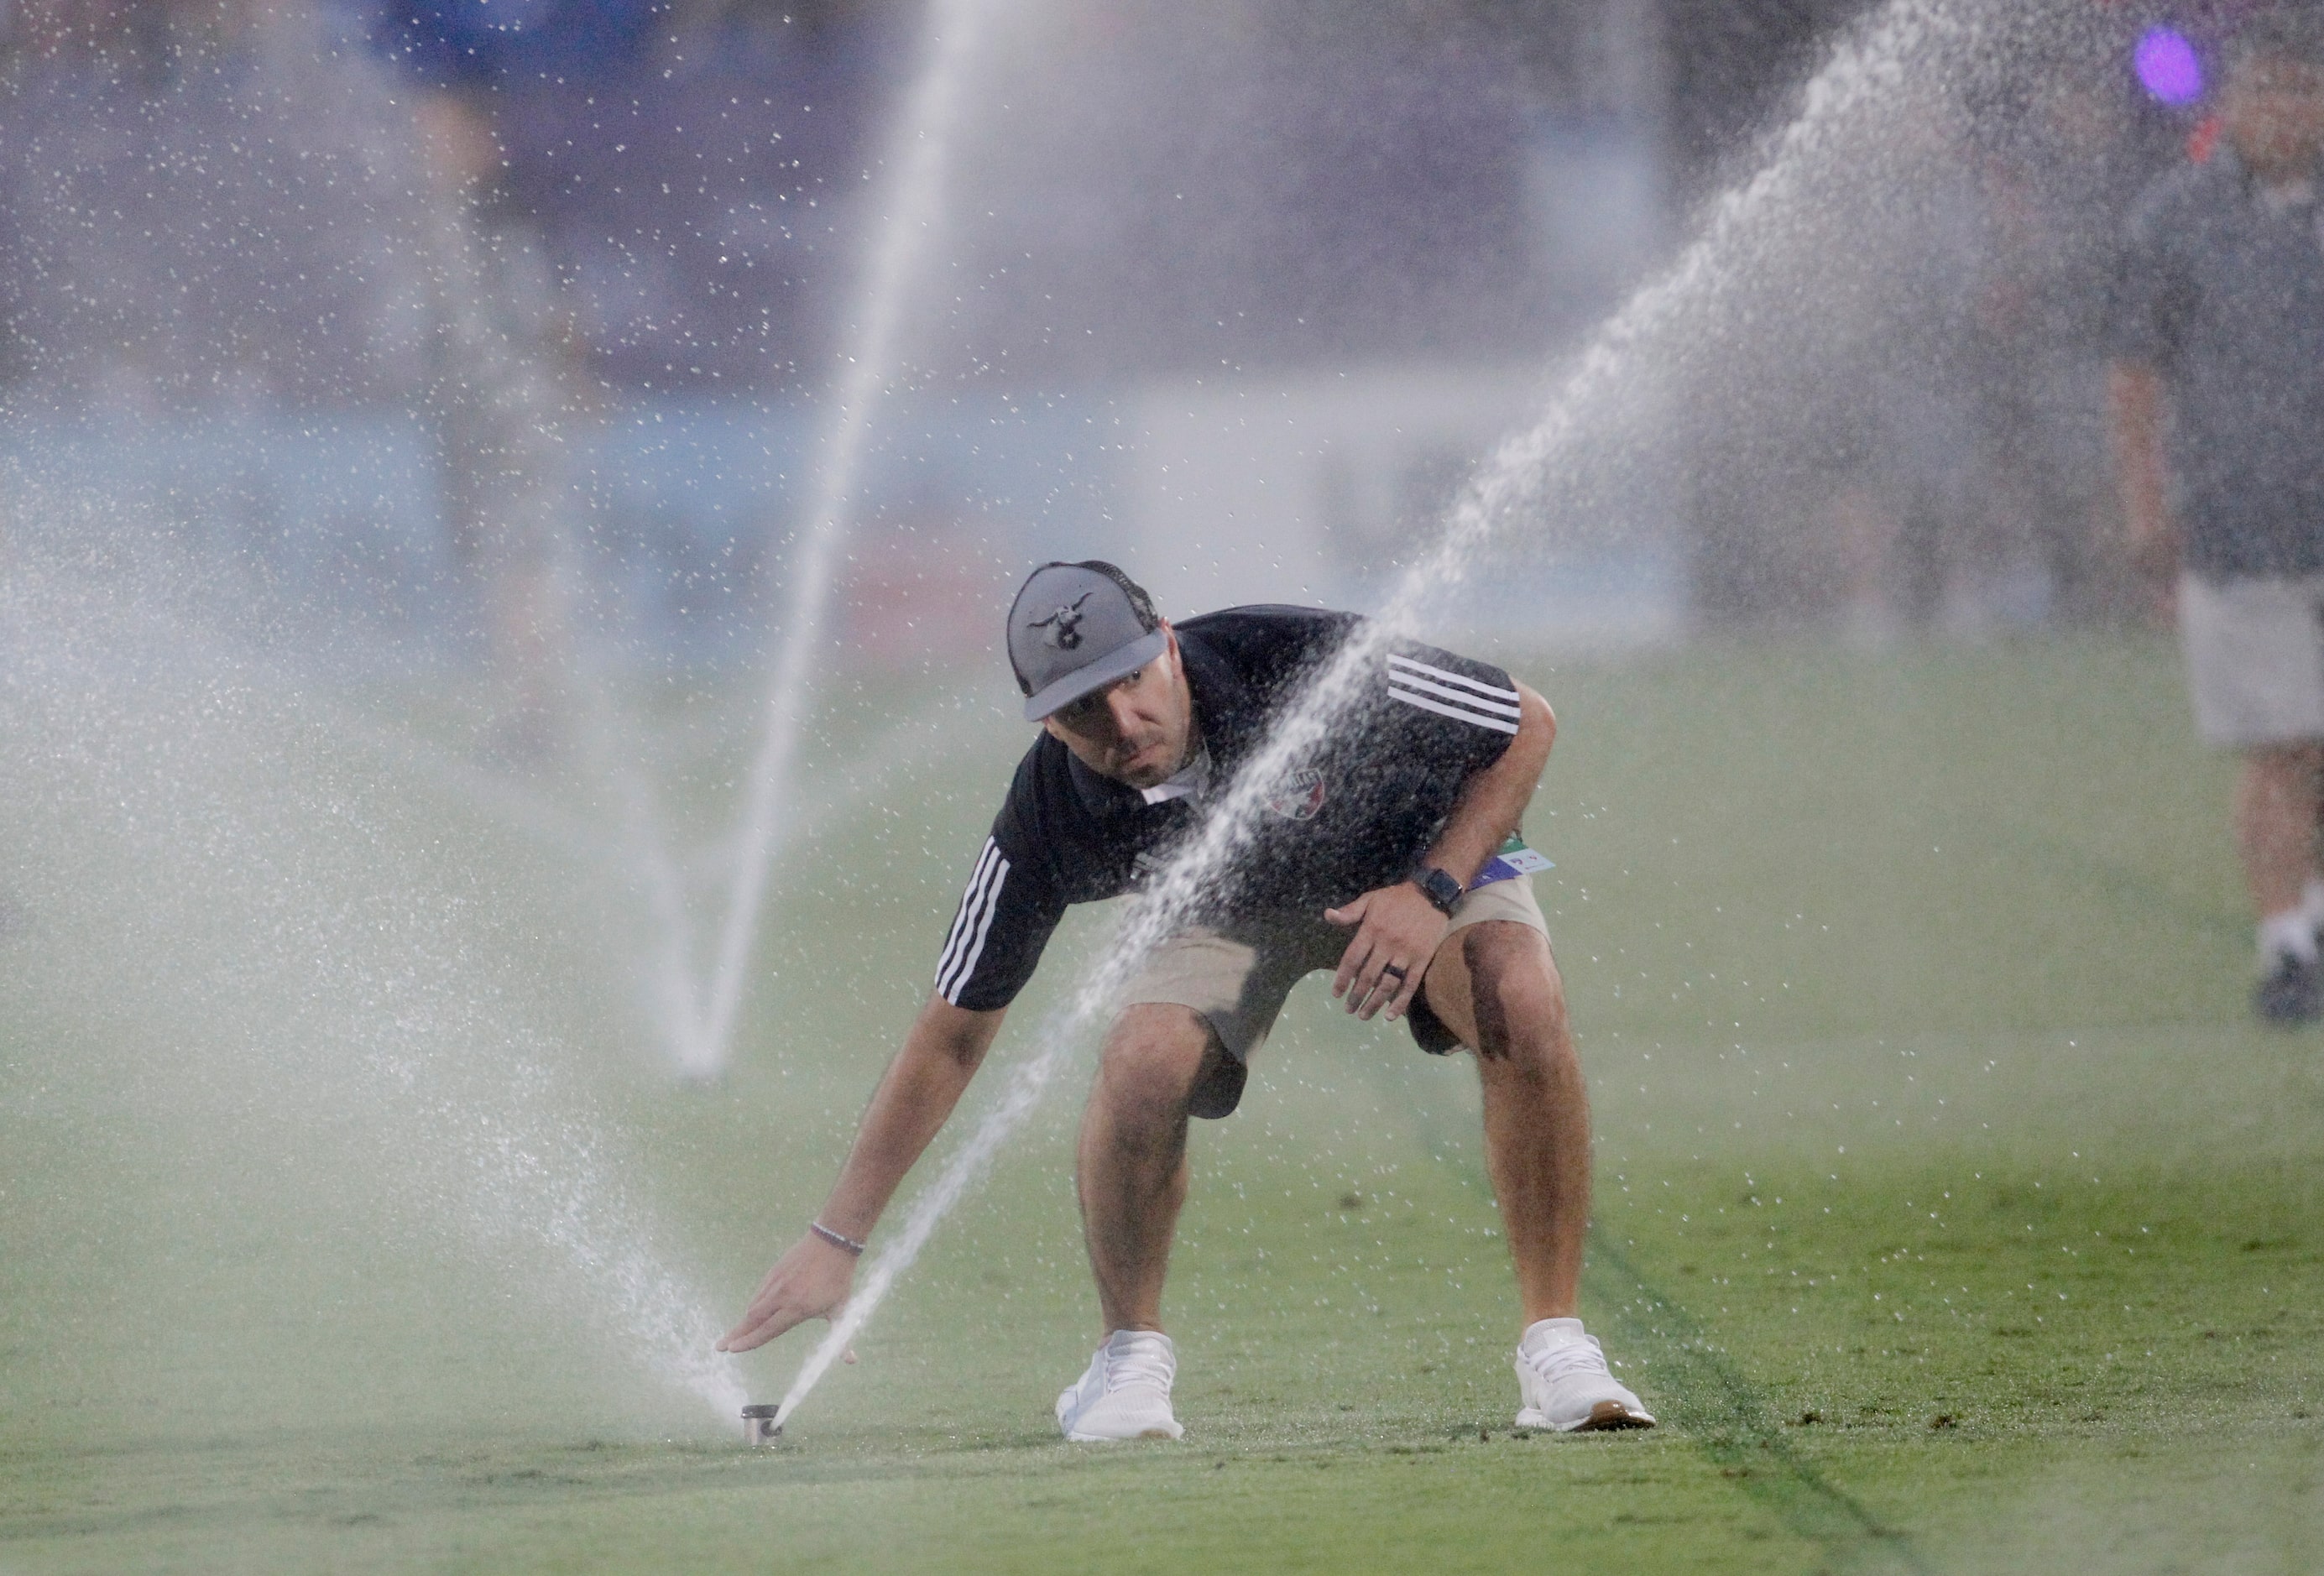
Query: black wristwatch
(1437, 886)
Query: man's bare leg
(1497, 988)
(1132, 1170)
(2276, 823)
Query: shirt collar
(1190, 781)
(1105, 795)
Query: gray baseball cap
(1075, 628)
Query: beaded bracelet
(847, 1245)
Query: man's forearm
(1493, 803)
(921, 1086)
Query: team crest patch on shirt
(1300, 797)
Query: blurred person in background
(2063, 163)
(212, 214)
(506, 385)
(2217, 401)
(1920, 462)
(503, 393)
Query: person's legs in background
(2254, 647)
(2275, 818)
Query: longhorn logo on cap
(1067, 634)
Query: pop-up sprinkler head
(759, 1425)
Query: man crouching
(1382, 859)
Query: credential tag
(1515, 859)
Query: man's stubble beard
(1187, 750)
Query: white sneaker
(1126, 1393)
(1563, 1379)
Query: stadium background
(1951, 1211)
(1386, 223)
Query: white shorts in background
(2254, 658)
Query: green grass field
(1950, 1214)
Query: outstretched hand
(1397, 931)
(809, 1282)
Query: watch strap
(1438, 886)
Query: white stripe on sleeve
(1458, 697)
(983, 927)
(963, 921)
(1410, 698)
(974, 922)
(1446, 676)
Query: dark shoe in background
(2291, 994)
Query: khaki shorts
(1238, 978)
(2254, 658)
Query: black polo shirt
(2223, 293)
(1355, 816)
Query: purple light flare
(2168, 67)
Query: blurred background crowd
(373, 300)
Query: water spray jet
(312, 963)
(919, 153)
